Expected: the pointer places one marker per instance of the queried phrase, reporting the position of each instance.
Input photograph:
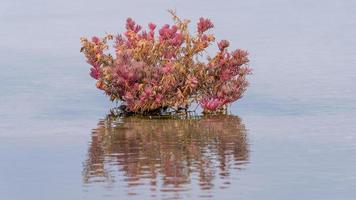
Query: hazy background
(300, 109)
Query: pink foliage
(149, 72)
(204, 24)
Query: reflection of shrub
(165, 69)
(168, 150)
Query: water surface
(292, 136)
(166, 158)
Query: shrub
(152, 70)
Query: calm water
(293, 135)
(166, 158)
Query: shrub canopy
(167, 68)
